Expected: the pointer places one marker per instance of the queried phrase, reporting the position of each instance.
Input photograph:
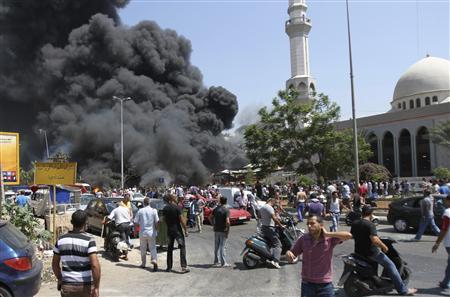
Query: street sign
(55, 173)
(9, 158)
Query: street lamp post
(355, 129)
(46, 141)
(122, 100)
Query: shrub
(441, 173)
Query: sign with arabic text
(9, 158)
(55, 173)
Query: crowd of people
(80, 276)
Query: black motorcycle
(113, 241)
(360, 276)
(257, 249)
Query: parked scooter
(113, 242)
(360, 276)
(257, 249)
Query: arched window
(399, 105)
(418, 102)
(372, 140)
(411, 104)
(388, 152)
(435, 99)
(312, 89)
(427, 100)
(404, 105)
(404, 152)
(423, 152)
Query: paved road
(127, 279)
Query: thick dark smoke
(64, 62)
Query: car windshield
(138, 196)
(158, 204)
(12, 236)
(84, 200)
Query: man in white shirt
(148, 221)
(122, 219)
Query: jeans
(392, 271)
(424, 222)
(317, 290)
(148, 243)
(300, 209)
(334, 221)
(124, 230)
(219, 248)
(181, 245)
(271, 235)
(446, 281)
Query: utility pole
(122, 100)
(355, 128)
(46, 141)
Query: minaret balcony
(301, 20)
(298, 24)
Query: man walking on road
(426, 208)
(175, 227)
(79, 276)
(220, 219)
(148, 221)
(445, 236)
(368, 244)
(317, 249)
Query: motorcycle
(113, 242)
(257, 249)
(360, 276)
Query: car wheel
(249, 262)
(4, 292)
(401, 225)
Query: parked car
(237, 216)
(20, 270)
(85, 199)
(404, 214)
(98, 208)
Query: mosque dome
(428, 75)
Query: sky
(242, 45)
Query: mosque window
(418, 102)
(404, 105)
(435, 99)
(399, 106)
(411, 104)
(427, 100)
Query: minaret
(297, 28)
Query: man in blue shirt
(21, 199)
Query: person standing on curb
(317, 246)
(148, 221)
(77, 276)
(445, 236)
(426, 209)
(176, 230)
(220, 220)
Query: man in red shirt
(317, 249)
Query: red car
(237, 216)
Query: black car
(405, 214)
(98, 209)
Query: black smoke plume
(62, 63)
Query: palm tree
(441, 134)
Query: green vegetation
(441, 134)
(441, 173)
(375, 172)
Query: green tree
(441, 172)
(27, 176)
(375, 172)
(302, 137)
(441, 134)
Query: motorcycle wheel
(351, 289)
(249, 262)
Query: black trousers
(181, 245)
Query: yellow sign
(55, 173)
(9, 158)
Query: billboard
(9, 158)
(55, 173)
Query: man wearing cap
(369, 245)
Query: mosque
(399, 138)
